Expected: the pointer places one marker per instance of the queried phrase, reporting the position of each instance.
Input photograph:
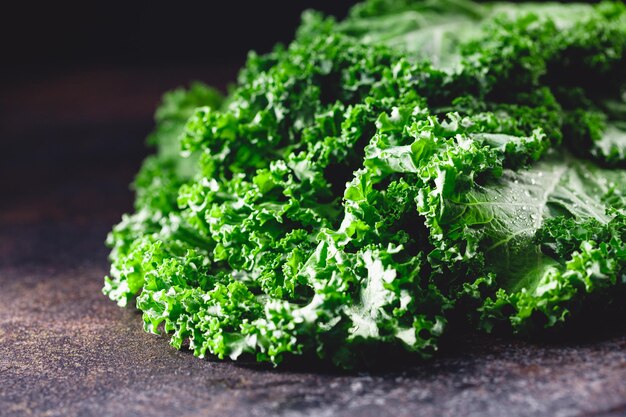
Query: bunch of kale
(418, 161)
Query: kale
(380, 175)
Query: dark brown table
(71, 143)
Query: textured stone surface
(65, 350)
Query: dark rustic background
(78, 87)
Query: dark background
(59, 35)
(79, 82)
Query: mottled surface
(65, 350)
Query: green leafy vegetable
(417, 162)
